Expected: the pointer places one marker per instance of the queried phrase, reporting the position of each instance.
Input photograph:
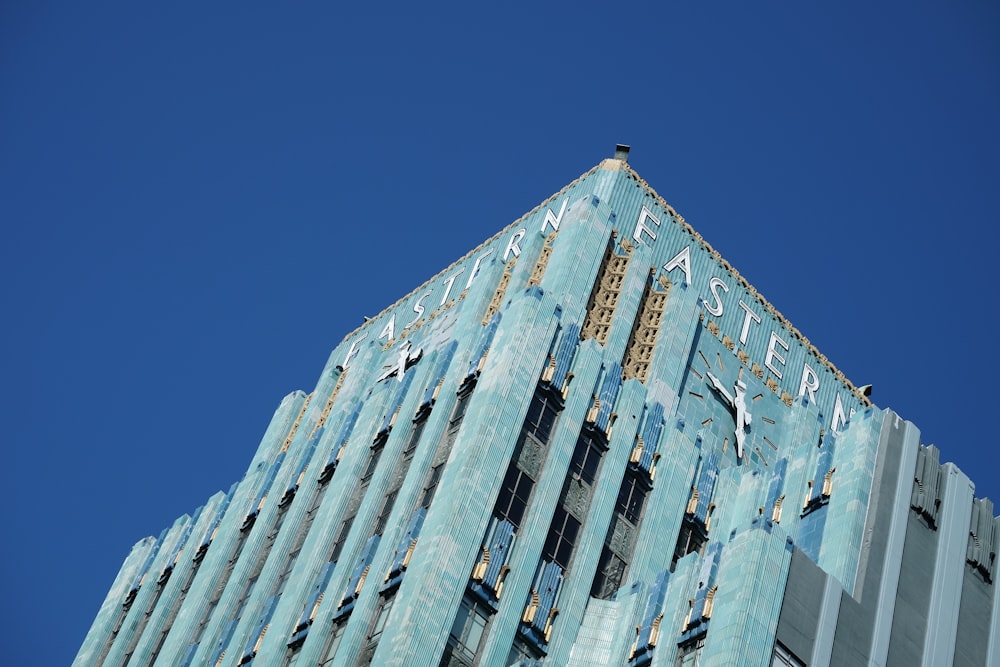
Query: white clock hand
(720, 389)
(743, 416)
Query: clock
(732, 402)
(405, 357)
(737, 403)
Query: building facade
(587, 442)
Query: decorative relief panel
(645, 330)
(577, 498)
(604, 297)
(622, 536)
(501, 290)
(543, 261)
(530, 460)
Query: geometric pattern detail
(604, 297)
(645, 330)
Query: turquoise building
(587, 442)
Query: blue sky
(199, 201)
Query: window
(381, 616)
(415, 433)
(458, 414)
(372, 464)
(333, 643)
(514, 494)
(431, 486)
(383, 515)
(782, 657)
(521, 650)
(631, 497)
(691, 538)
(620, 539)
(466, 633)
(561, 539)
(245, 595)
(279, 586)
(610, 572)
(541, 417)
(688, 654)
(586, 458)
(338, 545)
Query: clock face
(733, 409)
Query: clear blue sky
(199, 201)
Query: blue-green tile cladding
(587, 442)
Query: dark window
(688, 654)
(458, 413)
(333, 643)
(245, 596)
(415, 433)
(383, 516)
(782, 657)
(514, 494)
(610, 572)
(466, 633)
(372, 464)
(338, 545)
(561, 539)
(541, 417)
(317, 500)
(431, 487)
(279, 586)
(381, 616)
(586, 458)
(631, 497)
(691, 538)
(521, 650)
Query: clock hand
(720, 389)
(743, 416)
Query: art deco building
(587, 442)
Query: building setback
(587, 442)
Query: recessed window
(467, 631)
(383, 515)
(782, 657)
(610, 572)
(541, 417)
(381, 616)
(562, 538)
(372, 464)
(586, 458)
(338, 545)
(514, 494)
(430, 488)
(631, 497)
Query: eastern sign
(743, 318)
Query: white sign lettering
(389, 330)
(554, 220)
(809, 383)
(681, 260)
(772, 354)
(448, 283)
(475, 267)
(713, 286)
(418, 308)
(641, 226)
(750, 315)
(353, 350)
(512, 246)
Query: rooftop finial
(621, 152)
